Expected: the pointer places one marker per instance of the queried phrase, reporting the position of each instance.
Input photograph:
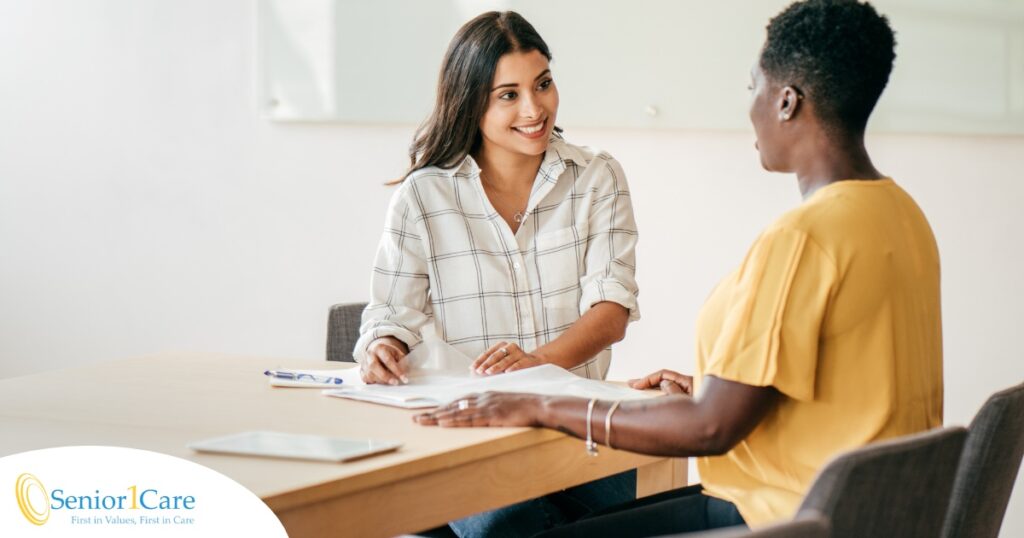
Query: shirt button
(515, 266)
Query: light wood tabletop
(163, 402)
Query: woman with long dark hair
(826, 338)
(512, 245)
(516, 246)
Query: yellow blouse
(836, 306)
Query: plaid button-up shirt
(448, 259)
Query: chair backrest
(343, 330)
(808, 524)
(899, 487)
(988, 467)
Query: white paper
(439, 374)
(434, 356)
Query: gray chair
(988, 467)
(808, 524)
(343, 330)
(900, 487)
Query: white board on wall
(640, 64)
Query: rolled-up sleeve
(611, 247)
(399, 285)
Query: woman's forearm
(666, 426)
(674, 425)
(601, 326)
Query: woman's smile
(532, 130)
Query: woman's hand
(505, 357)
(487, 409)
(385, 362)
(668, 381)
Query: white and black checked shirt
(448, 258)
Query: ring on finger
(505, 351)
(463, 405)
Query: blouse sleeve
(399, 285)
(773, 319)
(611, 246)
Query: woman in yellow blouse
(828, 335)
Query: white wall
(145, 207)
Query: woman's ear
(789, 102)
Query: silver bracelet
(608, 424)
(591, 445)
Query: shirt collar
(555, 158)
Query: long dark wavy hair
(452, 130)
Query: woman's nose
(529, 108)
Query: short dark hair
(453, 129)
(838, 52)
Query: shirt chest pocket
(560, 264)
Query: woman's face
(764, 114)
(522, 105)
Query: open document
(438, 374)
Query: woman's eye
(545, 84)
(508, 96)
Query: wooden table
(162, 402)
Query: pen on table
(303, 377)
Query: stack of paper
(427, 389)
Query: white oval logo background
(222, 507)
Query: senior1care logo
(109, 491)
(37, 511)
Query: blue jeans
(537, 515)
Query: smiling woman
(514, 246)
